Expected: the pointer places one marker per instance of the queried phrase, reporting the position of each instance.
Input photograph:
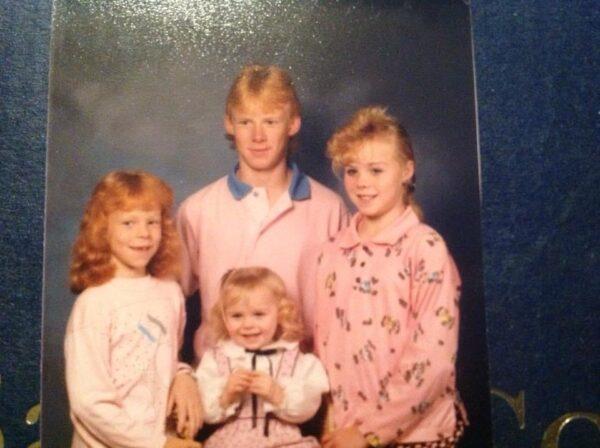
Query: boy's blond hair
(270, 85)
(237, 284)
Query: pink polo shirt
(387, 330)
(230, 224)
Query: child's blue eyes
(150, 223)
(354, 171)
(269, 122)
(239, 316)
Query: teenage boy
(265, 212)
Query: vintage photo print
(139, 84)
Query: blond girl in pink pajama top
(388, 295)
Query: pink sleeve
(180, 312)
(307, 279)
(426, 370)
(94, 400)
(337, 219)
(322, 308)
(190, 247)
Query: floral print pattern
(387, 331)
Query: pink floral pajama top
(387, 330)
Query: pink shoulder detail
(222, 361)
(323, 192)
(288, 361)
(426, 239)
(206, 193)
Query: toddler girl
(126, 325)
(255, 379)
(387, 310)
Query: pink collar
(388, 236)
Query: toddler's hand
(237, 383)
(266, 387)
(348, 437)
(175, 442)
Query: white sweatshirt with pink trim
(121, 350)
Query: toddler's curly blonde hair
(239, 283)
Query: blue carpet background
(537, 66)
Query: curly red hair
(91, 263)
(239, 283)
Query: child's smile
(252, 321)
(374, 179)
(134, 237)
(365, 199)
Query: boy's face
(261, 134)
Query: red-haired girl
(387, 310)
(126, 325)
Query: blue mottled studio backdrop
(536, 66)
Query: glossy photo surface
(142, 85)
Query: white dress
(301, 376)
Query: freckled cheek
(353, 190)
(241, 135)
(348, 183)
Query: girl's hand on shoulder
(176, 442)
(266, 387)
(348, 437)
(237, 383)
(184, 399)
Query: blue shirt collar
(299, 188)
